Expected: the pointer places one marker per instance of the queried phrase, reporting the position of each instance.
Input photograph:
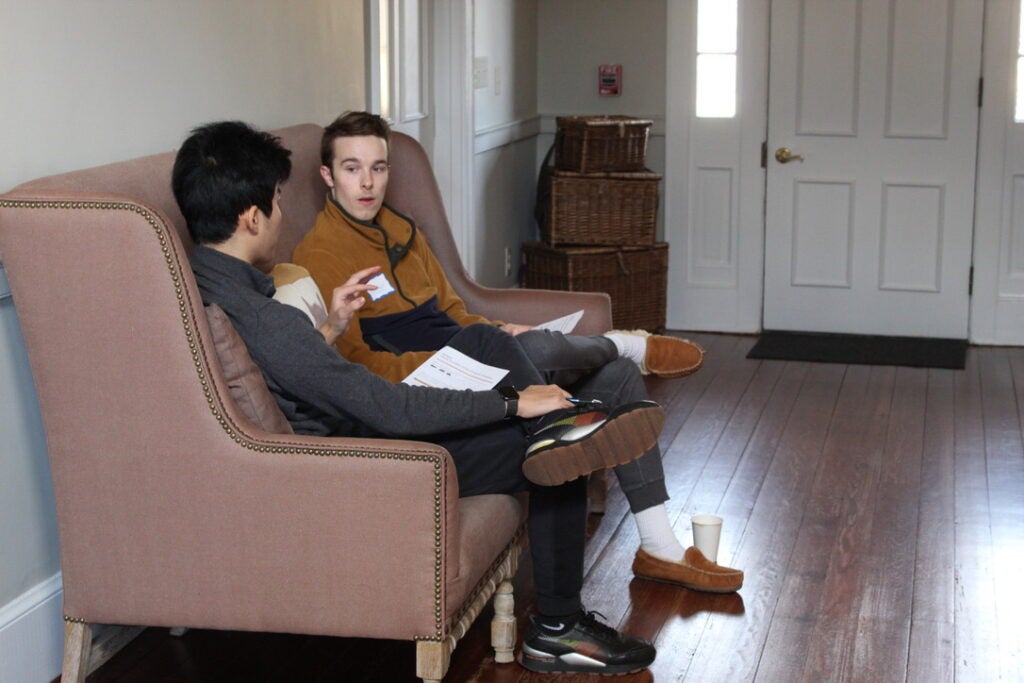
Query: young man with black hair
(227, 179)
(395, 333)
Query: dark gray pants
(590, 367)
(489, 460)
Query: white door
(871, 232)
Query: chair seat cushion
(486, 525)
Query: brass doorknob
(784, 155)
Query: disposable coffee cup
(707, 529)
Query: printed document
(565, 324)
(451, 369)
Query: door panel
(871, 232)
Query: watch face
(508, 392)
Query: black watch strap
(511, 396)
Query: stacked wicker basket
(598, 220)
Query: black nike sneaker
(588, 646)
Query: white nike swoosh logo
(554, 628)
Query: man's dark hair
(348, 125)
(222, 170)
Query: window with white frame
(378, 53)
(396, 60)
(716, 58)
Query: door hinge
(981, 90)
(764, 154)
(970, 282)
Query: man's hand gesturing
(345, 301)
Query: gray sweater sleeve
(294, 356)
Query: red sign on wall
(609, 80)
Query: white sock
(656, 535)
(630, 346)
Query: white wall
(505, 126)
(90, 82)
(577, 36)
(546, 54)
(86, 83)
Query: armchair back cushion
(243, 377)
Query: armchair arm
(323, 530)
(533, 306)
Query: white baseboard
(32, 634)
(5, 288)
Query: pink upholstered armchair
(174, 508)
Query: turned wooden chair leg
(503, 625)
(432, 659)
(597, 491)
(77, 643)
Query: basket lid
(601, 120)
(645, 174)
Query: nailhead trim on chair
(188, 323)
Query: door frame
(716, 254)
(997, 304)
(451, 78)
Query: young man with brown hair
(416, 312)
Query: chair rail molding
(486, 139)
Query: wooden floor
(878, 513)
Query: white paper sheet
(565, 324)
(451, 369)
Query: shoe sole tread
(616, 443)
(689, 586)
(540, 666)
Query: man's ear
(249, 220)
(325, 173)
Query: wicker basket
(606, 209)
(636, 278)
(592, 144)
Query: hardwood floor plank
(751, 431)
(931, 652)
(724, 461)
(794, 634)
(975, 606)
(934, 578)
(776, 508)
(841, 649)
(1005, 459)
(841, 503)
(931, 655)
(890, 552)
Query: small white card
(451, 369)
(565, 324)
(383, 287)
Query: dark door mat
(918, 352)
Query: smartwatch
(511, 396)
